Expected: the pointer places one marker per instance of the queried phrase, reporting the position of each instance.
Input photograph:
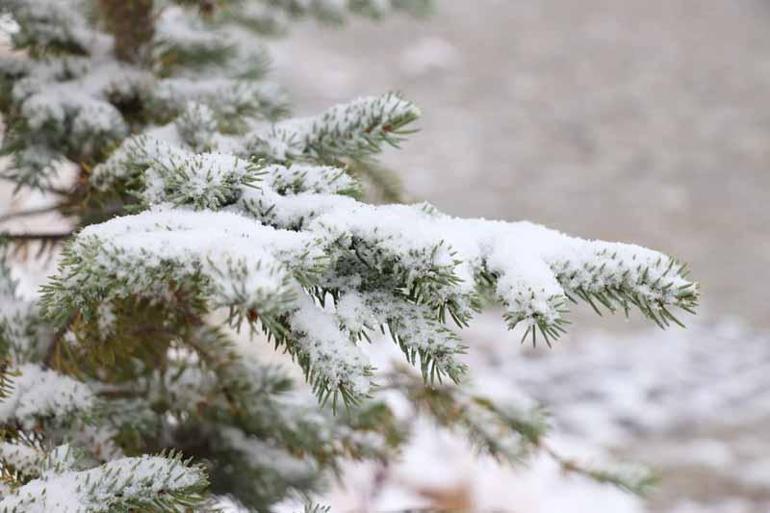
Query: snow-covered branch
(277, 243)
(146, 483)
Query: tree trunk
(131, 23)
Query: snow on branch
(263, 457)
(226, 97)
(20, 329)
(39, 393)
(131, 159)
(253, 270)
(320, 270)
(76, 102)
(65, 108)
(146, 483)
(197, 125)
(354, 129)
(203, 181)
(53, 24)
(182, 36)
(21, 458)
(274, 15)
(535, 271)
(210, 119)
(425, 340)
(245, 265)
(299, 178)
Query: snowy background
(634, 120)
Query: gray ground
(635, 120)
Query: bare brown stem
(45, 237)
(28, 213)
(131, 23)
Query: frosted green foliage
(355, 129)
(265, 439)
(423, 338)
(224, 96)
(49, 23)
(143, 254)
(205, 181)
(534, 270)
(21, 458)
(229, 90)
(197, 126)
(19, 323)
(272, 16)
(269, 459)
(151, 483)
(67, 112)
(299, 178)
(61, 459)
(65, 109)
(129, 161)
(320, 269)
(183, 36)
(73, 101)
(39, 393)
(75, 107)
(183, 39)
(22, 335)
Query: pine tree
(201, 209)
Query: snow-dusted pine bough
(201, 207)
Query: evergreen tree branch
(152, 484)
(131, 23)
(631, 478)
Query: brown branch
(132, 25)
(118, 393)
(54, 190)
(54, 348)
(32, 236)
(28, 213)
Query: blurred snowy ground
(692, 404)
(633, 120)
